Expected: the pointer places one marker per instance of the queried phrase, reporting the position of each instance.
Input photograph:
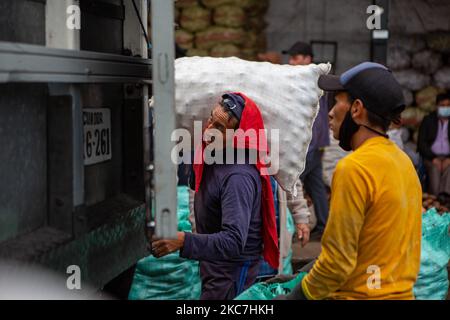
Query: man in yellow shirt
(371, 244)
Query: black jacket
(427, 135)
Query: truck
(81, 182)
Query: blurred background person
(434, 148)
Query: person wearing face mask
(372, 241)
(433, 146)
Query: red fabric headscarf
(252, 119)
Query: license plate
(97, 135)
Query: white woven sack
(287, 96)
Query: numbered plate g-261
(97, 135)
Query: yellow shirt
(371, 243)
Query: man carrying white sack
(234, 206)
(371, 244)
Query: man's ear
(358, 109)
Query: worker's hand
(438, 164)
(161, 248)
(303, 233)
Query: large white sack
(287, 96)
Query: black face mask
(346, 132)
(349, 128)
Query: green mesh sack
(170, 277)
(432, 281)
(265, 291)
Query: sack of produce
(442, 78)
(409, 114)
(439, 41)
(217, 3)
(413, 116)
(195, 18)
(412, 80)
(251, 39)
(169, 277)
(194, 52)
(225, 50)
(426, 98)
(247, 4)
(181, 4)
(254, 7)
(432, 281)
(398, 59)
(288, 105)
(184, 39)
(219, 35)
(427, 61)
(229, 16)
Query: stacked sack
(221, 28)
(421, 64)
(432, 282)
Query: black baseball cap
(373, 84)
(299, 48)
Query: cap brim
(330, 83)
(285, 52)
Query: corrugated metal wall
(23, 129)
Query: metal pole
(379, 43)
(165, 176)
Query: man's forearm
(216, 246)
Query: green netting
(432, 282)
(265, 291)
(170, 277)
